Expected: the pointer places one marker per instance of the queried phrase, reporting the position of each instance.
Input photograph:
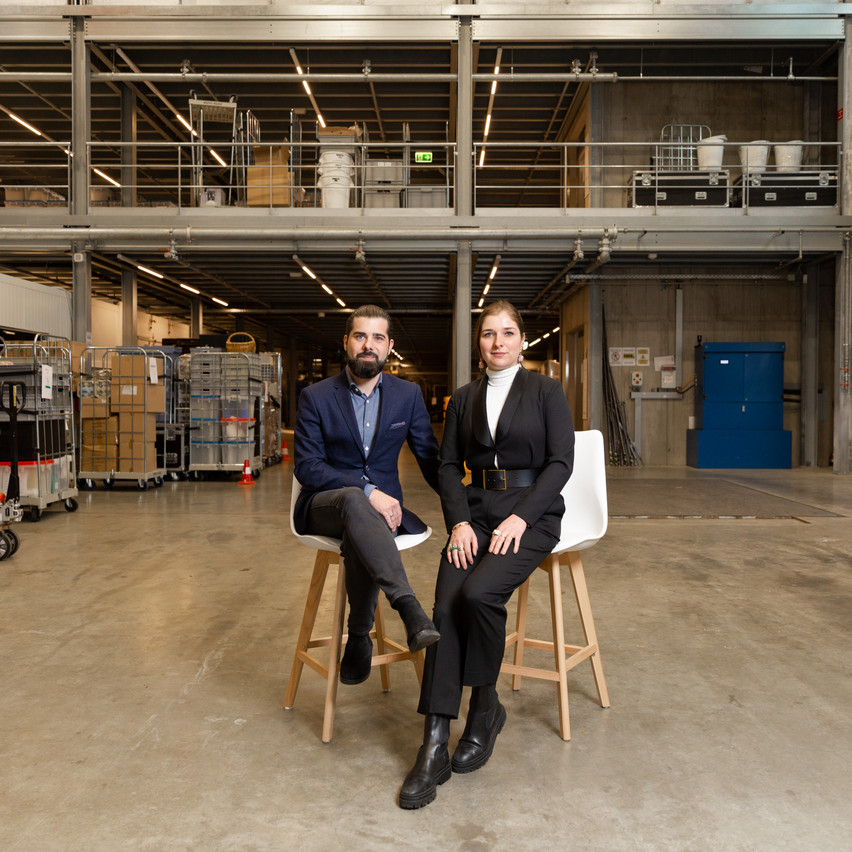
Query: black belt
(500, 479)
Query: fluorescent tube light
(149, 271)
(219, 301)
(23, 123)
(187, 287)
(106, 177)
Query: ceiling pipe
(578, 256)
(604, 255)
(437, 77)
(190, 236)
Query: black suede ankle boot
(418, 626)
(485, 719)
(357, 662)
(432, 766)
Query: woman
(513, 430)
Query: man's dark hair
(370, 312)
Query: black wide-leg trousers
(470, 611)
(371, 559)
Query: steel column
(80, 119)
(810, 365)
(81, 297)
(129, 181)
(293, 375)
(844, 95)
(464, 122)
(196, 318)
(461, 318)
(595, 371)
(842, 356)
(129, 306)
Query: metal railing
(561, 176)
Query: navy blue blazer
(328, 452)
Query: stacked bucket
(336, 171)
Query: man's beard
(363, 368)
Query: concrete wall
(638, 112)
(150, 329)
(642, 313)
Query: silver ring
(498, 533)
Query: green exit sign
(422, 156)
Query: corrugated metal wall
(34, 307)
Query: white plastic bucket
(335, 191)
(711, 151)
(336, 171)
(344, 158)
(754, 156)
(788, 156)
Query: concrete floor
(147, 640)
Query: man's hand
(388, 507)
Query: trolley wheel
(175, 476)
(142, 485)
(71, 505)
(86, 484)
(13, 537)
(6, 546)
(158, 482)
(108, 483)
(197, 475)
(36, 514)
(255, 474)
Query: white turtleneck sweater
(499, 383)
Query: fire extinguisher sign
(840, 114)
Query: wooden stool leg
(559, 648)
(380, 644)
(578, 578)
(521, 630)
(309, 618)
(334, 654)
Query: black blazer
(534, 430)
(327, 446)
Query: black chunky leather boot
(432, 766)
(485, 719)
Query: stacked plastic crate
(383, 182)
(225, 392)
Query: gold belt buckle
(498, 474)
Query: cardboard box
(277, 155)
(156, 398)
(259, 179)
(137, 424)
(126, 395)
(98, 430)
(92, 408)
(339, 134)
(137, 457)
(128, 367)
(99, 457)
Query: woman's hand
(507, 531)
(462, 546)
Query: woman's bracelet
(460, 524)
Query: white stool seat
(387, 650)
(583, 525)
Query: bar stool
(583, 525)
(387, 650)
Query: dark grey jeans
(370, 557)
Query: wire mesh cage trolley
(45, 428)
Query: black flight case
(787, 189)
(682, 189)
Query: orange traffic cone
(285, 455)
(247, 478)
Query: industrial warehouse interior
(194, 197)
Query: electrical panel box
(739, 408)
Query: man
(349, 432)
